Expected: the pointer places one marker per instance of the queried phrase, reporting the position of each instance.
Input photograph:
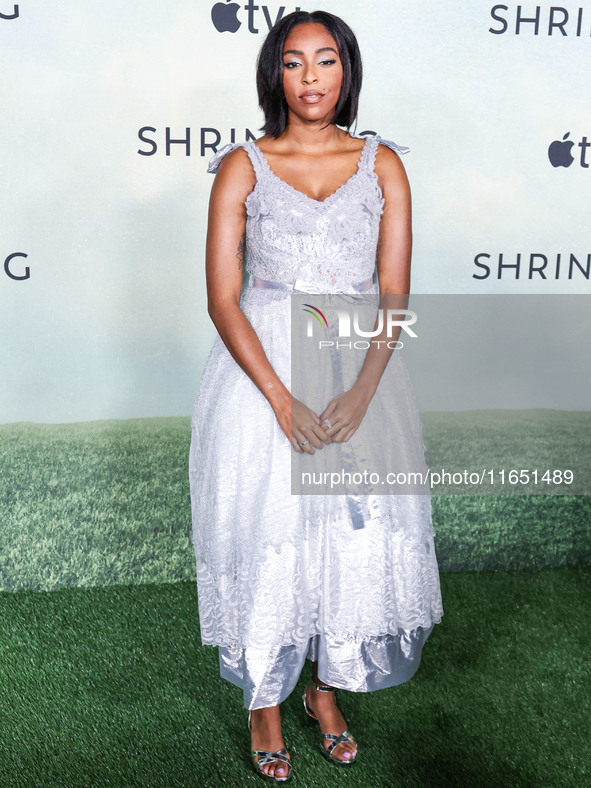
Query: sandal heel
(309, 717)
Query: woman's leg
(265, 727)
(331, 720)
(266, 678)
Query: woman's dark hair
(270, 70)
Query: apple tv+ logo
(224, 16)
(560, 152)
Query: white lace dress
(284, 577)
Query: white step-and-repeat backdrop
(110, 112)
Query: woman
(348, 582)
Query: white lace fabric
(276, 570)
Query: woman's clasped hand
(337, 423)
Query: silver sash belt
(301, 286)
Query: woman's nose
(309, 75)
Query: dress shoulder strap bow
(216, 159)
(400, 149)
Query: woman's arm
(225, 248)
(393, 259)
(346, 411)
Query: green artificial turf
(105, 687)
(107, 502)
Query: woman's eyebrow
(297, 51)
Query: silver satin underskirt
(268, 678)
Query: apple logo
(224, 17)
(559, 152)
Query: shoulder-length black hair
(270, 70)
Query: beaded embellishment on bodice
(330, 242)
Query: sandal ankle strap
(323, 687)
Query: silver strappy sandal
(266, 757)
(333, 738)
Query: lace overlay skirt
(284, 577)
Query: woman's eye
(293, 63)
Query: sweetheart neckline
(303, 194)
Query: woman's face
(312, 72)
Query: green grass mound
(107, 502)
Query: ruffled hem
(268, 677)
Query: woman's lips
(311, 98)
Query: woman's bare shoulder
(390, 170)
(388, 162)
(236, 173)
